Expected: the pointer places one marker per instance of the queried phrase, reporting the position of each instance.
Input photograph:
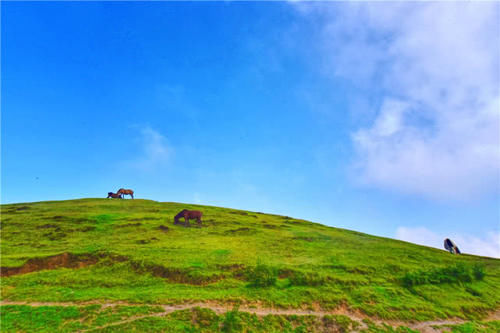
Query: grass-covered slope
(130, 250)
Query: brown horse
(188, 214)
(114, 195)
(123, 191)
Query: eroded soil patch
(128, 225)
(240, 231)
(64, 260)
(341, 319)
(163, 228)
(74, 261)
(46, 226)
(176, 274)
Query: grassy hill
(99, 262)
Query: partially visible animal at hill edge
(123, 191)
(114, 195)
(450, 246)
(187, 215)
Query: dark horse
(450, 246)
(114, 195)
(188, 214)
(123, 191)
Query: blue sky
(382, 117)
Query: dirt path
(424, 327)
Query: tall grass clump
(478, 271)
(262, 276)
(232, 321)
(453, 274)
(306, 279)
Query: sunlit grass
(306, 263)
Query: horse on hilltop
(123, 191)
(187, 215)
(450, 246)
(114, 195)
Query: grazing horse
(114, 195)
(188, 214)
(450, 246)
(123, 191)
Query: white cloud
(488, 246)
(435, 70)
(390, 120)
(155, 150)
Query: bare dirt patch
(239, 213)
(240, 231)
(163, 228)
(75, 261)
(291, 221)
(175, 274)
(86, 229)
(270, 226)
(128, 225)
(64, 260)
(46, 226)
(230, 267)
(221, 308)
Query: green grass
(452, 274)
(24, 318)
(475, 327)
(236, 256)
(69, 319)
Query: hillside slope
(129, 251)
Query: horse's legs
(132, 196)
(186, 224)
(198, 219)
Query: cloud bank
(487, 246)
(433, 76)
